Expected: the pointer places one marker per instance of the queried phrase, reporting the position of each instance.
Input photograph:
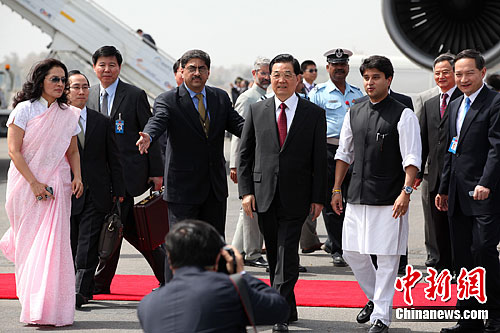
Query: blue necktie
(466, 109)
(467, 106)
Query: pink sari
(38, 240)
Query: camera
(222, 261)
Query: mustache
(339, 71)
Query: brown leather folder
(151, 219)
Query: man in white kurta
(385, 137)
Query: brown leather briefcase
(151, 220)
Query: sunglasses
(312, 70)
(56, 79)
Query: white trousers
(247, 237)
(377, 284)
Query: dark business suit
(131, 104)
(195, 174)
(475, 224)
(197, 300)
(284, 181)
(102, 179)
(404, 99)
(434, 134)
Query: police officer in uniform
(335, 96)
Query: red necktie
(282, 124)
(443, 105)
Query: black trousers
(474, 241)
(211, 211)
(438, 225)
(333, 221)
(155, 258)
(282, 234)
(85, 232)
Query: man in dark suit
(199, 299)
(434, 134)
(129, 110)
(195, 117)
(469, 188)
(103, 183)
(282, 172)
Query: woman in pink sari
(42, 144)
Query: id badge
(453, 145)
(119, 124)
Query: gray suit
(418, 104)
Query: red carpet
(320, 293)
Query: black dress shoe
(378, 327)
(313, 248)
(281, 327)
(365, 313)
(462, 328)
(99, 291)
(302, 269)
(338, 261)
(431, 262)
(259, 262)
(492, 325)
(80, 300)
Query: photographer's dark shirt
(196, 300)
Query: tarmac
(121, 316)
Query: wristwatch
(407, 189)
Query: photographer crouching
(200, 299)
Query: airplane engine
(423, 29)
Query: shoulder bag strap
(241, 288)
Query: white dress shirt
(449, 93)
(83, 119)
(365, 225)
(461, 110)
(291, 106)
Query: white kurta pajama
(371, 229)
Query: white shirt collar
(291, 102)
(473, 96)
(83, 113)
(308, 85)
(44, 102)
(449, 92)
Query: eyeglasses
(287, 75)
(201, 69)
(79, 88)
(312, 70)
(263, 73)
(56, 79)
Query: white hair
(261, 61)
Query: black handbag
(111, 232)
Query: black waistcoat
(378, 175)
